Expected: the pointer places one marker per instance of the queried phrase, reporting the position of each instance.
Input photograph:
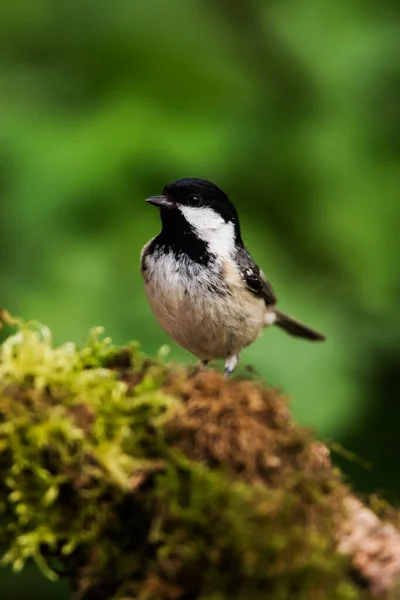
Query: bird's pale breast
(207, 311)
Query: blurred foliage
(292, 107)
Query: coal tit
(202, 284)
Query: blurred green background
(292, 107)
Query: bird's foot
(230, 365)
(199, 368)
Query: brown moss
(239, 425)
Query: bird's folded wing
(254, 278)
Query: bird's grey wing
(254, 278)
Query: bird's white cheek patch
(212, 228)
(202, 217)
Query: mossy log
(137, 479)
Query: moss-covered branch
(135, 479)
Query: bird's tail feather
(296, 328)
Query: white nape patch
(211, 228)
(269, 318)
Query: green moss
(136, 480)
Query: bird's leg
(230, 365)
(200, 367)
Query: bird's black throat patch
(179, 238)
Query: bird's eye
(194, 200)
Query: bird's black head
(200, 193)
(198, 208)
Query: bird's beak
(161, 201)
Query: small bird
(202, 284)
